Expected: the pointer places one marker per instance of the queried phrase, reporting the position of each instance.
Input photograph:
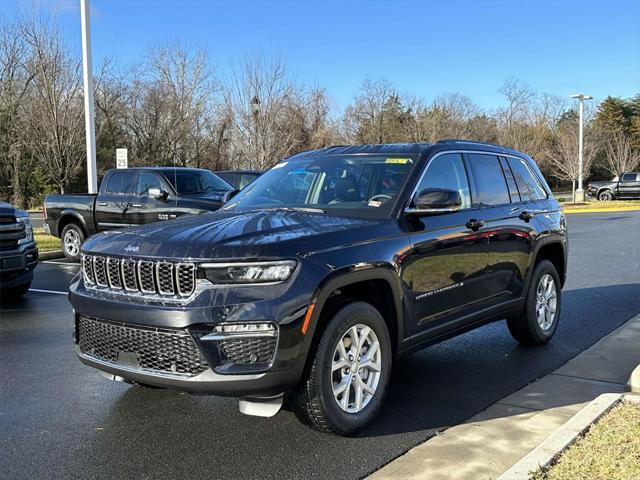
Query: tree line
(173, 107)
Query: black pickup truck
(626, 187)
(18, 253)
(132, 196)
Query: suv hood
(239, 235)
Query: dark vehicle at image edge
(311, 280)
(18, 252)
(132, 196)
(625, 187)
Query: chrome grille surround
(142, 278)
(157, 350)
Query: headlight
(248, 273)
(28, 228)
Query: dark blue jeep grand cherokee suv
(316, 276)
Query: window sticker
(401, 161)
(374, 203)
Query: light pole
(255, 110)
(89, 123)
(581, 98)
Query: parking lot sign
(121, 158)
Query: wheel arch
(71, 216)
(378, 286)
(554, 250)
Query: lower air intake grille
(249, 350)
(156, 350)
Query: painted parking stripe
(46, 291)
(53, 262)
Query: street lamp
(581, 98)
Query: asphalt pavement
(59, 418)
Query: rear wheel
(343, 389)
(72, 238)
(605, 196)
(539, 319)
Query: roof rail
(473, 142)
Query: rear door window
(122, 183)
(529, 186)
(489, 179)
(629, 177)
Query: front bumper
(209, 382)
(16, 266)
(283, 305)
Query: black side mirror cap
(433, 201)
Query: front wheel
(72, 238)
(539, 319)
(343, 389)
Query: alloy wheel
(546, 302)
(355, 369)
(71, 242)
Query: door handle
(102, 204)
(474, 224)
(526, 216)
(137, 205)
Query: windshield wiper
(296, 209)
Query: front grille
(156, 350)
(249, 350)
(10, 232)
(144, 277)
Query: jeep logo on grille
(131, 248)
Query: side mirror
(229, 195)
(432, 201)
(158, 193)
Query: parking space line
(46, 291)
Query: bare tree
(55, 112)
(564, 162)
(258, 95)
(620, 155)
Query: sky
(424, 48)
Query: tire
(314, 402)
(11, 294)
(605, 196)
(72, 238)
(529, 328)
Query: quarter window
(122, 183)
(447, 172)
(489, 179)
(529, 186)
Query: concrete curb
(601, 210)
(545, 453)
(50, 255)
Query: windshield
(191, 182)
(356, 183)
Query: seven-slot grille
(139, 276)
(156, 350)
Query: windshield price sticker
(401, 161)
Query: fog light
(242, 330)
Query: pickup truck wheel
(539, 319)
(343, 389)
(605, 196)
(72, 238)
